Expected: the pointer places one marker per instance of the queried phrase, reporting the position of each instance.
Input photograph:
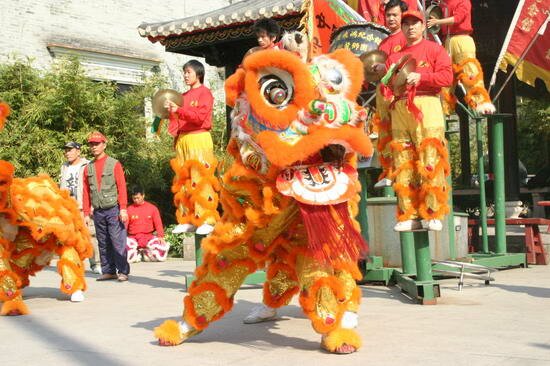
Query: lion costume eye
(334, 76)
(276, 87)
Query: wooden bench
(544, 204)
(533, 242)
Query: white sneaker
(350, 320)
(408, 225)
(77, 296)
(432, 225)
(97, 269)
(204, 229)
(383, 183)
(260, 313)
(183, 228)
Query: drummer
(420, 158)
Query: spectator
(105, 192)
(143, 220)
(72, 174)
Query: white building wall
(107, 28)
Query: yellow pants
(195, 183)
(467, 71)
(383, 127)
(420, 160)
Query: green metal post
(423, 256)
(363, 219)
(497, 128)
(451, 216)
(198, 249)
(481, 178)
(408, 259)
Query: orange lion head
(299, 118)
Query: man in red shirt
(143, 220)
(105, 191)
(382, 19)
(420, 158)
(457, 29)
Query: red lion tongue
(331, 233)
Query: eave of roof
(245, 11)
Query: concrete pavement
(506, 323)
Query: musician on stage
(457, 29)
(194, 184)
(420, 159)
(394, 9)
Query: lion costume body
(288, 197)
(37, 220)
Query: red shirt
(195, 114)
(461, 10)
(393, 43)
(432, 63)
(119, 179)
(144, 219)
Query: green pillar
(363, 219)
(198, 249)
(481, 178)
(408, 258)
(423, 256)
(451, 216)
(497, 128)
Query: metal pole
(497, 128)
(423, 256)
(408, 259)
(363, 218)
(481, 178)
(451, 216)
(198, 249)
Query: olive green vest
(107, 197)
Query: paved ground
(507, 323)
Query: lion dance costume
(288, 197)
(37, 220)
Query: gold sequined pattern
(205, 304)
(348, 285)
(326, 303)
(280, 284)
(230, 279)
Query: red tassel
(331, 233)
(416, 112)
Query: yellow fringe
(169, 332)
(339, 337)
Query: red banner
(322, 18)
(532, 19)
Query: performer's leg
(330, 299)
(95, 262)
(211, 294)
(433, 163)
(468, 71)
(382, 121)
(71, 269)
(134, 255)
(404, 165)
(10, 283)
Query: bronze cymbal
(160, 97)
(405, 66)
(370, 59)
(434, 11)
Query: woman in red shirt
(195, 184)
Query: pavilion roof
(242, 12)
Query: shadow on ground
(261, 336)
